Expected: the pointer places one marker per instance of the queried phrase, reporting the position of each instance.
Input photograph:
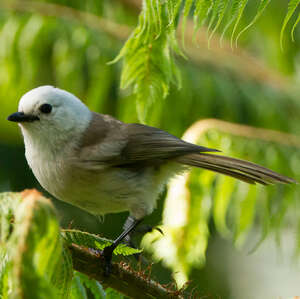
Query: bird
(102, 165)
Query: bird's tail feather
(240, 169)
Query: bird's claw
(107, 255)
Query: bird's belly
(93, 195)
(97, 190)
(98, 193)
(93, 199)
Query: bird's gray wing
(151, 145)
(111, 142)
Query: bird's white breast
(98, 191)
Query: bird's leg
(130, 224)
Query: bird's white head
(47, 112)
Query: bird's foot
(130, 224)
(107, 256)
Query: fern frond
(201, 12)
(294, 27)
(262, 6)
(186, 11)
(222, 7)
(148, 62)
(232, 16)
(293, 4)
(241, 7)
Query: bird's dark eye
(46, 108)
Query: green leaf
(63, 274)
(8, 205)
(148, 67)
(294, 27)
(233, 12)
(186, 11)
(113, 294)
(78, 290)
(173, 7)
(125, 250)
(223, 193)
(84, 239)
(219, 12)
(34, 247)
(291, 9)
(240, 9)
(201, 12)
(93, 241)
(262, 6)
(245, 211)
(93, 285)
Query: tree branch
(123, 278)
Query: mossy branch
(123, 278)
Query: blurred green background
(255, 84)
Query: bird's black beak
(20, 117)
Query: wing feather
(147, 143)
(111, 143)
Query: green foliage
(291, 9)
(32, 43)
(34, 230)
(148, 62)
(262, 6)
(40, 50)
(35, 261)
(95, 242)
(81, 282)
(149, 66)
(196, 199)
(36, 50)
(112, 294)
(62, 279)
